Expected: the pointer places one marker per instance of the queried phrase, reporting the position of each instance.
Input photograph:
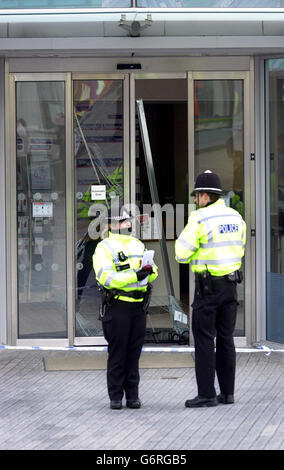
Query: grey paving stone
(70, 410)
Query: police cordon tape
(177, 349)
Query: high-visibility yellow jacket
(115, 274)
(214, 239)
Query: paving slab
(69, 410)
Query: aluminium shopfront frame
(12, 75)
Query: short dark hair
(213, 196)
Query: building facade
(211, 80)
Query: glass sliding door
(41, 211)
(275, 199)
(218, 133)
(72, 151)
(66, 160)
(99, 146)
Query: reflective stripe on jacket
(109, 268)
(214, 237)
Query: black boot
(133, 403)
(225, 399)
(116, 404)
(199, 402)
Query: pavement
(69, 410)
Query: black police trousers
(124, 327)
(214, 316)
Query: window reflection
(27, 4)
(98, 157)
(275, 203)
(210, 3)
(218, 137)
(218, 146)
(15, 4)
(41, 209)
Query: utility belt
(205, 281)
(109, 297)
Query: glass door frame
(11, 204)
(99, 340)
(249, 171)
(129, 184)
(249, 185)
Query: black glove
(144, 272)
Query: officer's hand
(144, 272)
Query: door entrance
(78, 142)
(165, 106)
(99, 107)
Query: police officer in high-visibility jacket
(213, 242)
(126, 292)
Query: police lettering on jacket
(213, 239)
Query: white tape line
(54, 348)
(177, 349)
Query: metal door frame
(249, 184)
(100, 340)
(11, 204)
(129, 185)
(249, 171)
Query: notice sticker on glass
(42, 209)
(180, 316)
(98, 192)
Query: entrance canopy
(141, 31)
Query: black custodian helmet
(208, 182)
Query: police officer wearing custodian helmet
(126, 296)
(213, 242)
